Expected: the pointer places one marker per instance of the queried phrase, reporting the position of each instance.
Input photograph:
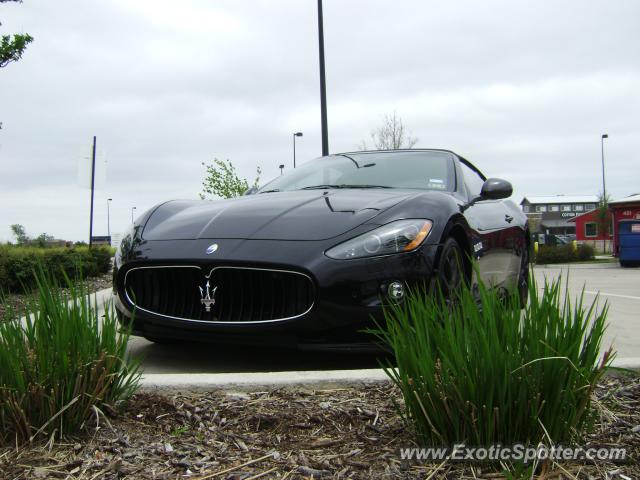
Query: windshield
(428, 170)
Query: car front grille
(240, 294)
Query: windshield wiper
(343, 185)
(271, 191)
(317, 187)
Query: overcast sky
(523, 89)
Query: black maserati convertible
(309, 259)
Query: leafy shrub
(585, 252)
(564, 253)
(60, 365)
(495, 374)
(18, 264)
(102, 258)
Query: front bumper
(349, 295)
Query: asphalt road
(619, 287)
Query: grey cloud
(524, 89)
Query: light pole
(93, 182)
(132, 209)
(604, 188)
(281, 167)
(108, 223)
(297, 134)
(323, 84)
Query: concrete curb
(577, 266)
(316, 380)
(630, 363)
(313, 380)
(102, 296)
(96, 299)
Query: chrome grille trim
(218, 322)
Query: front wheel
(451, 269)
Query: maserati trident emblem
(212, 248)
(208, 296)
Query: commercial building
(552, 214)
(589, 230)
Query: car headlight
(395, 237)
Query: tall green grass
(482, 371)
(61, 364)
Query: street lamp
(132, 209)
(323, 84)
(281, 167)
(108, 223)
(297, 134)
(604, 189)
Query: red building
(588, 229)
(588, 226)
(623, 210)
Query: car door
(491, 220)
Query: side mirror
(496, 189)
(251, 191)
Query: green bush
(495, 373)
(585, 252)
(61, 365)
(564, 253)
(18, 264)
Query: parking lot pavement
(619, 287)
(204, 358)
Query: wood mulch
(340, 433)
(16, 302)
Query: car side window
(472, 180)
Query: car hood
(296, 215)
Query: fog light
(396, 291)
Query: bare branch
(391, 135)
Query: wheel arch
(458, 229)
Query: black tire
(523, 277)
(451, 273)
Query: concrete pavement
(619, 287)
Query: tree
(19, 233)
(43, 239)
(391, 135)
(223, 181)
(13, 46)
(603, 219)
